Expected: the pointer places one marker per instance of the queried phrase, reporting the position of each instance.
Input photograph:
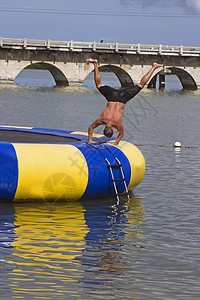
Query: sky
(167, 22)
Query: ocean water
(95, 249)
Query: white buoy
(177, 144)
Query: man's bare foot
(155, 65)
(91, 60)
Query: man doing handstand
(113, 113)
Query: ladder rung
(113, 180)
(114, 166)
(119, 166)
(123, 194)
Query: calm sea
(95, 249)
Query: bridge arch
(187, 81)
(123, 77)
(57, 74)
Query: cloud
(190, 6)
(194, 5)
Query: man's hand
(116, 143)
(90, 134)
(120, 129)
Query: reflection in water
(7, 227)
(42, 230)
(63, 248)
(49, 238)
(112, 228)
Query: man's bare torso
(113, 113)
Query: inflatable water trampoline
(37, 163)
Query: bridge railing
(32, 44)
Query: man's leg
(147, 76)
(97, 76)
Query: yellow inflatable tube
(43, 164)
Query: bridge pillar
(5, 76)
(10, 69)
(161, 81)
(75, 72)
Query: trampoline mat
(13, 136)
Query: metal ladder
(115, 166)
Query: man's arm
(120, 135)
(95, 124)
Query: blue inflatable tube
(38, 163)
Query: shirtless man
(113, 113)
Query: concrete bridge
(66, 61)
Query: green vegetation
(37, 66)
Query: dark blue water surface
(95, 249)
